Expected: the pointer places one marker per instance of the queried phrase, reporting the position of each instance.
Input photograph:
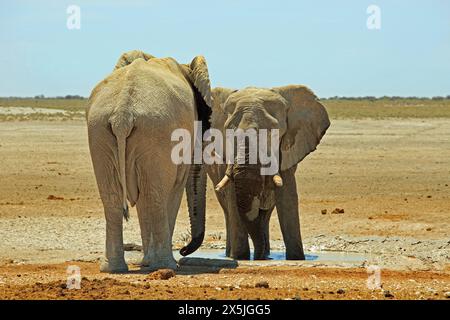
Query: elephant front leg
(115, 261)
(288, 215)
(228, 236)
(239, 246)
(216, 173)
(266, 226)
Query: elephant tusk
(277, 180)
(222, 183)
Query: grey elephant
(130, 118)
(248, 198)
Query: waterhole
(328, 256)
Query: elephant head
(128, 57)
(301, 121)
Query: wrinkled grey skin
(130, 117)
(249, 198)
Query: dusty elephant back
(154, 89)
(141, 104)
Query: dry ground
(391, 176)
(49, 282)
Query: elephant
(131, 115)
(247, 197)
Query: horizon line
(80, 97)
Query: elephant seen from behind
(131, 115)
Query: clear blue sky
(323, 44)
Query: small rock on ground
(388, 294)
(262, 284)
(162, 274)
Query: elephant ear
(128, 57)
(219, 116)
(307, 122)
(198, 76)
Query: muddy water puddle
(279, 256)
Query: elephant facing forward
(247, 197)
(130, 117)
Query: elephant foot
(147, 265)
(240, 256)
(298, 255)
(261, 256)
(114, 266)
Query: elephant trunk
(248, 186)
(196, 197)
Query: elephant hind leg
(110, 193)
(155, 186)
(115, 260)
(176, 195)
(156, 238)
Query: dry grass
(70, 109)
(74, 105)
(387, 108)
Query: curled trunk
(196, 197)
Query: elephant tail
(121, 125)
(121, 141)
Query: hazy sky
(323, 44)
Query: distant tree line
(41, 96)
(69, 96)
(370, 98)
